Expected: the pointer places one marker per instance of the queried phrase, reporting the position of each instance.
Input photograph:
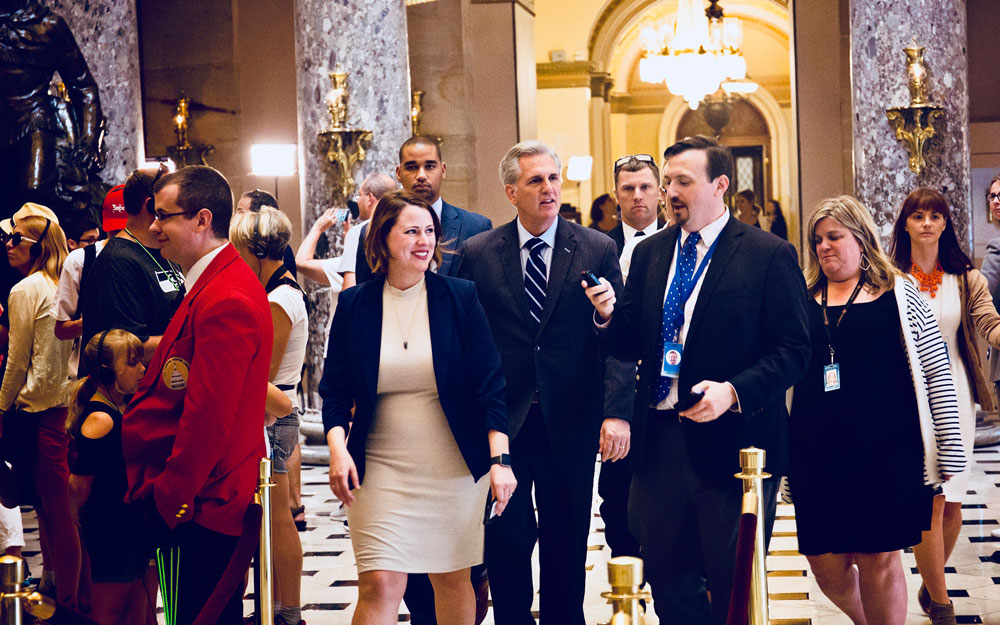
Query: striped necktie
(535, 279)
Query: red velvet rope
(739, 600)
(238, 565)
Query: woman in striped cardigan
(924, 245)
(875, 413)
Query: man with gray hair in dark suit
(527, 273)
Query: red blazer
(194, 432)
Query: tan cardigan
(37, 373)
(979, 316)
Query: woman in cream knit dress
(413, 352)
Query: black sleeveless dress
(856, 453)
(110, 528)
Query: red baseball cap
(113, 215)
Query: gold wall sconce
(184, 152)
(416, 111)
(345, 147)
(914, 124)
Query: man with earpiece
(131, 286)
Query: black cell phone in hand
(588, 276)
(690, 399)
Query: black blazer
(457, 225)
(562, 360)
(749, 327)
(466, 367)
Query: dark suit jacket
(562, 360)
(194, 439)
(457, 225)
(466, 367)
(749, 328)
(618, 234)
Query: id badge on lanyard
(673, 352)
(831, 372)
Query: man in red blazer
(194, 432)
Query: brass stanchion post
(13, 599)
(625, 577)
(11, 578)
(265, 590)
(752, 474)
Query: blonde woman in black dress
(862, 422)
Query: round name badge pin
(175, 373)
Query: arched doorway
(747, 135)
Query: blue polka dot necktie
(673, 307)
(535, 278)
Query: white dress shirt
(191, 277)
(630, 232)
(549, 236)
(625, 260)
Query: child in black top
(108, 526)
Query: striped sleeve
(933, 355)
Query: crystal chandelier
(697, 54)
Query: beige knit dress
(418, 509)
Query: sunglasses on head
(642, 158)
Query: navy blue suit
(457, 225)
(466, 367)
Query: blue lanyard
(697, 272)
(694, 278)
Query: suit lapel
(559, 263)
(510, 265)
(451, 225)
(441, 326)
(369, 339)
(729, 241)
(656, 282)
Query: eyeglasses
(15, 239)
(161, 216)
(642, 158)
(992, 197)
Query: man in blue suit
(421, 171)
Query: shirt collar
(549, 236)
(191, 277)
(629, 231)
(710, 232)
(438, 206)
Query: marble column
(880, 29)
(107, 33)
(368, 39)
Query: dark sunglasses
(642, 158)
(15, 239)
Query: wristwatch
(503, 460)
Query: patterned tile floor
(329, 584)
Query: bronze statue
(51, 138)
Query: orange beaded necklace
(928, 282)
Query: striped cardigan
(937, 402)
(930, 369)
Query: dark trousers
(687, 527)
(613, 486)
(564, 487)
(204, 555)
(419, 595)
